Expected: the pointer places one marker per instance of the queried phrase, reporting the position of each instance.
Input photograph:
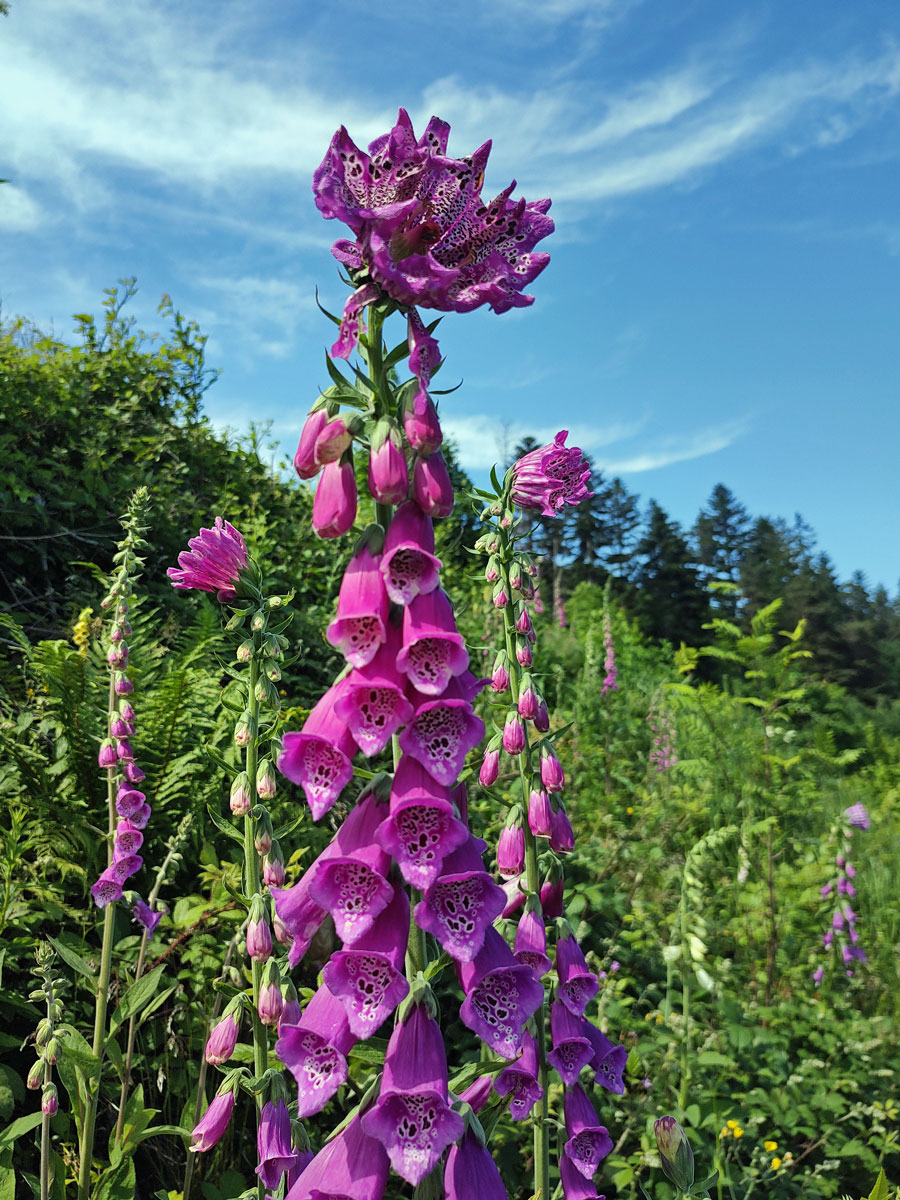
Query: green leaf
(160, 1130)
(367, 1052)
(12, 1089)
(116, 1183)
(75, 961)
(226, 827)
(136, 997)
(880, 1190)
(16, 1128)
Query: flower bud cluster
(116, 755)
(46, 1039)
(842, 935)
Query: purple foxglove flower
(408, 230)
(516, 895)
(492, 570)
(133, 773)
(607, 1060)
(422, 428)
(372, 703)
(126, 712)
(539, 812)
(825, 889)
(499, 595)
(213, 562)
(314, 1051)
(589, 1142)
(477, 1094)
(572, 1046)
(845, 887)
(213, 1123)
(531, 940)
(126, 866)
(118, 728)
(459, 908)
(222, 1040)
(332, 442)
(432, 487)
(408, 563)
(511, 847)
(500, 673)
(259, 940)
(354, 889)
(470, 1171)
(818, 975)
(360, 626)
(523, 621)
(271, 1001)
(123, 685)
(850, 870)
(273, 1141)
(412, 1117)
(143, 914)
(140, 816)
(388, 472)
(49, 1100)
(528, 699)
(562, 836)
(857, 816)
(524, 656)
(574, 1184)
(129, 839)
(124, 751)
(490, 766)
(273, 867)
(513, 733)
(334, 505)
(552, 775)
(318, 757)
(107, 756)
(421, 828)
(577, 984)
(440, 735)
(305, 456)
(433, 651)
(107, 889)
(291, 1012)
(519, 1080)
(542, 717)
(547, 479)
(368, 977)
(117, 655)
(352, 1166)
(501, 995)
(552, 891)
(424, 359)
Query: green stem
(45, 1117)
(685, 1007)
(86, 1149)
(252, 884)
(533, 884)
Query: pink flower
(213, 1123)
(305, 457)
(213, 562)
(547, 479)
(334, 506)
(360, 625)
(431, 485)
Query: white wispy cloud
(19, 213)
(483, 440)
(663, 452)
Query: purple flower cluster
(547, 479)
(842, 935)
(662, 749)
(609, 662)
(213, 563)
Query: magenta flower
(574, 1184)
(107, 889)
(432, 487)
(144, 915)
(213, 1123)
(589, 1142)
(334, 505)
(273, 1142)
(540, 813)
(547, 479)
(607, 1060)
(857, 816)
(353, 1166)
(490, 767)
(107, 757)
(388, 472)
(420, 419)
(270, 1002)
(412, 1117)
(562, 836)
(470, 1171)
(305, 456)
(552, 775)
(423, 232)
(577, 984)
(459, 908)
(361, 622)
(433, 650)
(552, 893)
(372, 703)
(408, 563)
(440, 735)
(222, 1040)
(511, 847)
(368, 977)
(332, 441)
(213, 563)
(318, 757)
(519, 1080)
(513, 733)
(129, 840)
(315, 1049)
(259, 939)
(501, 995)
(530, 945)
(500, 673)
(421, 828)
(572, 1046)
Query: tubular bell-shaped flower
(519, 1081)
(421, 828)
(589, 1142)
(318, 757)
(408, 563)
(577, 983)
(501, 995)
(372, 703)
(433, 651)
(412, 1117)
(360, 625)
(314, 1051)
(470, 1171)
(547, 479)
(459, 907)
(440, 735)
(213, 562)
(334, 505)
(273, 1143)
(572, 1047)
(531, 939)
(353, 1166)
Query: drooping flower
(360, 625)
(432, 486)
(107, 889)
(335, 501)
(572, 1048)
(352, 1166)
(421, 828)
(214, 1121)
(530, 946)
(315, 1049)
(441, 734)
(470, 1171)
(511, 846)
(318, 757)
(367, 977)
(519, 1080)
(562, 836)
(372, 703)
(273, 1143)
(213, 562)
(408, 564)
(539, 812)
(607, 1060)
(305, 455)
(388, 472)
(145, 916)
(547, 479)
(857, 816)
(459, 908)
(589, 1142)
(412, 1117)
(574, 1184)
(433, 650)
(352, 884)
(552, 775)
(501, 995)
(222, 1040)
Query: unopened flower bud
(262, 835)
(244, 730)
(115, 634)
(49, 1100)
(52, 1051)
(523, 652)
(492, 570)
(273, 867)
(552, 775)
(244, 651)
(542, 717)
(265, 783)
(259, 936)
(539, 812)
(35, 1076)
(528, 698)
(513, 733)
(107, 756)
(500, 672)
(222, 1040)
(675, 1154)
(258, 622)
(240, 795)
(123, 685)
(271, 1001)
(126, 712)
(515, 575)
(523, 621)
(290, 1010)
(511, 846)
(273, 671)
(499, 596)
(490, 767)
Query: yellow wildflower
(629, 810)
(776, 1163)
(732, 1124)
(738, 1132)
(81, 634)
(770, 1146)
(724, 1132)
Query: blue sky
(722, 301)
